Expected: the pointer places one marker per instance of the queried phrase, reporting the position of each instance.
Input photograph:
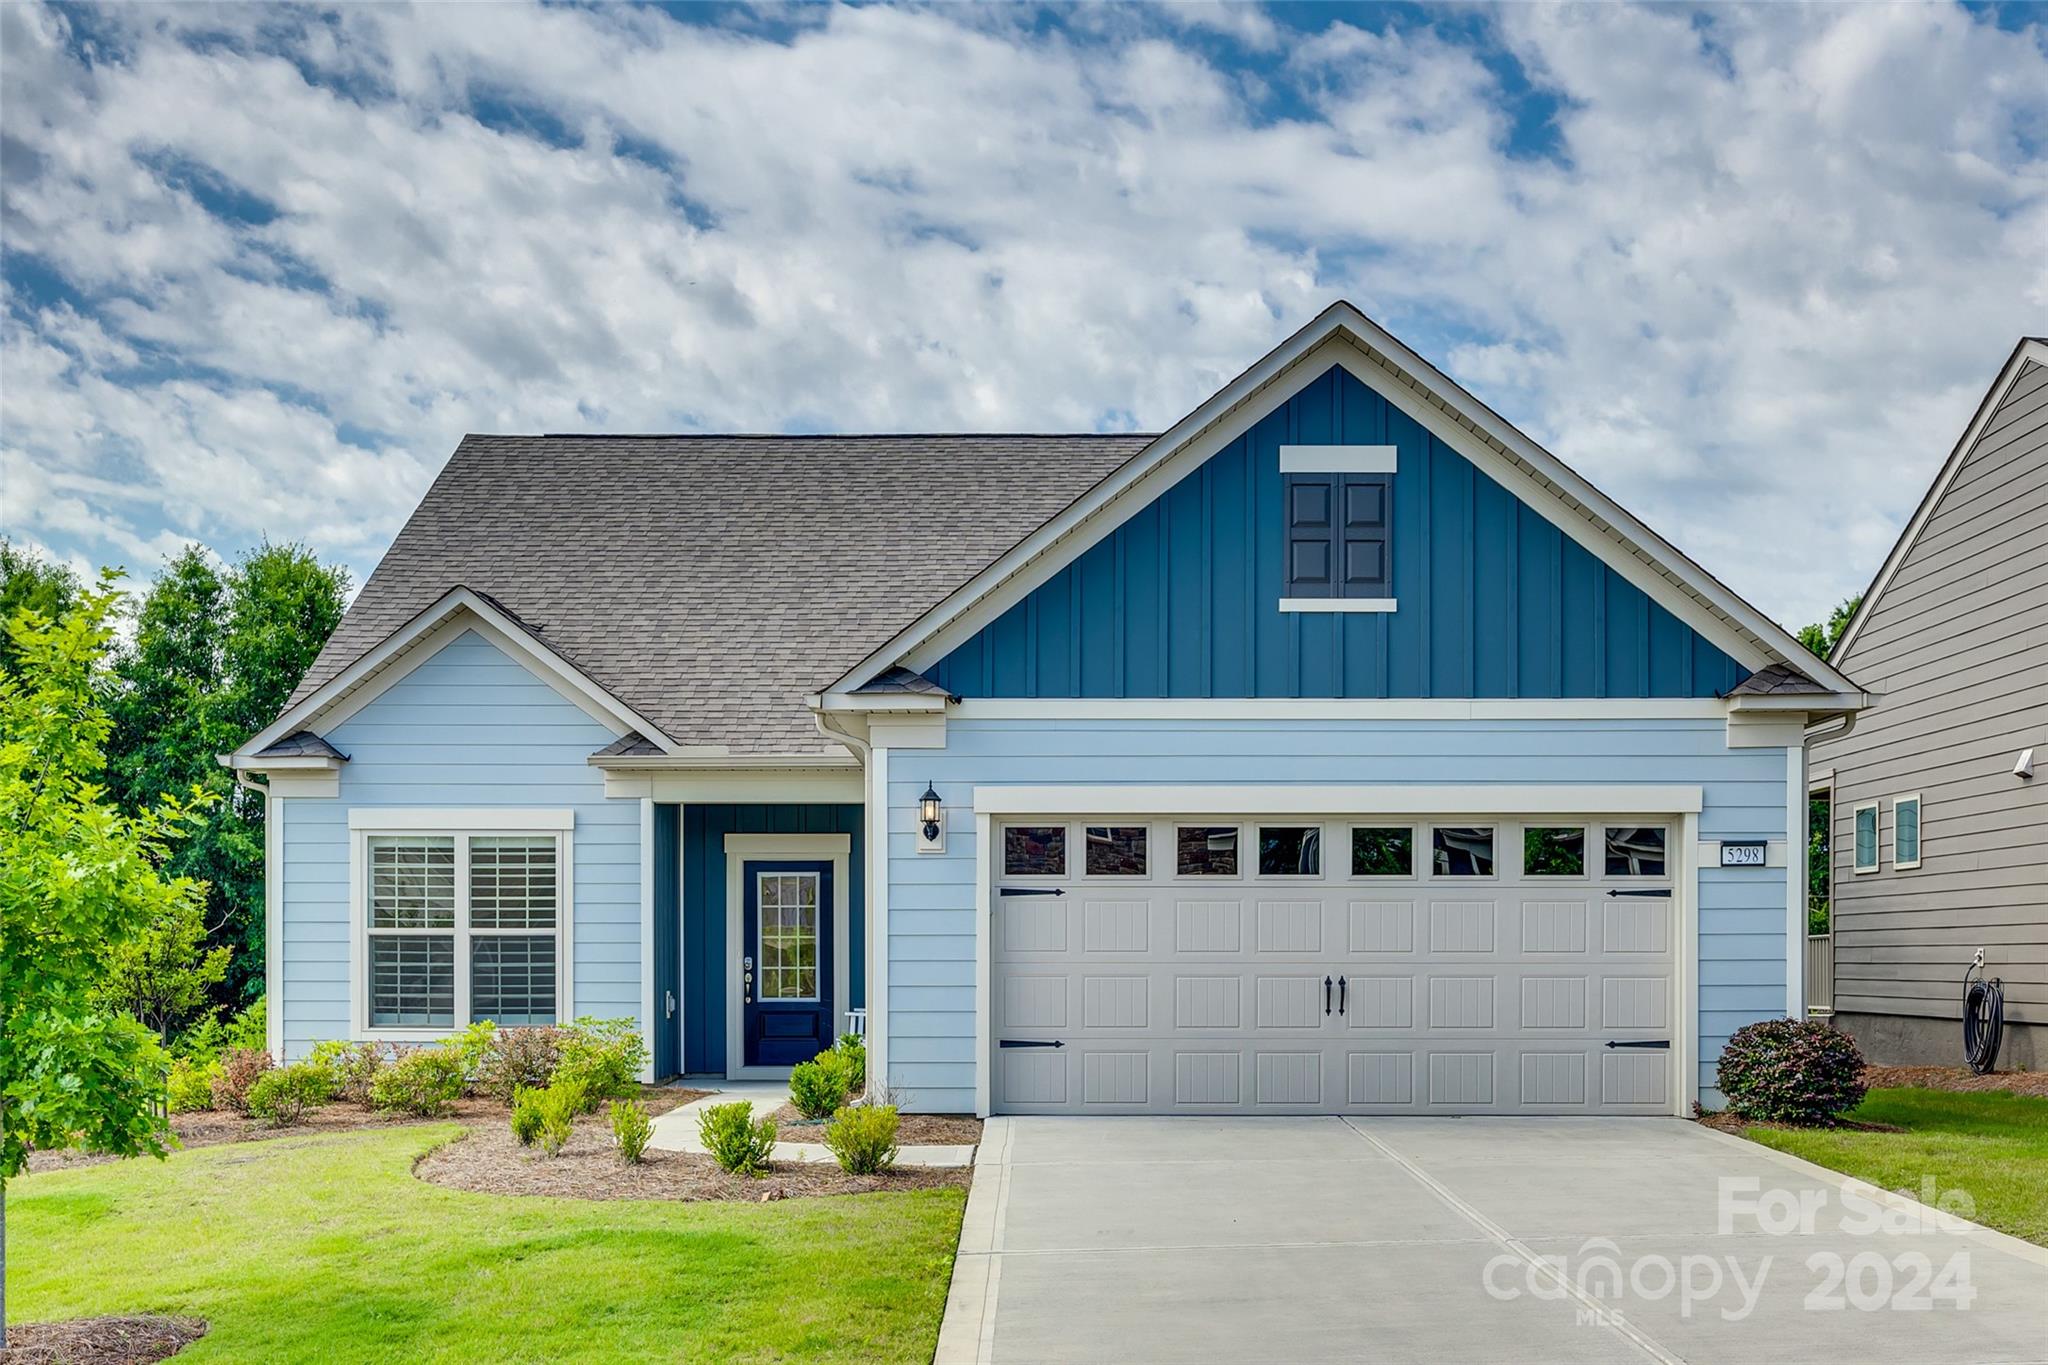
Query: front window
(1866, 837)
(488, 901)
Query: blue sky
(1748, 269)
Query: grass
(1990, 1144)
(326, 1248)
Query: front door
(786, 961)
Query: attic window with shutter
(1338, 502)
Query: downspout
(1834, 727)
(273, 913)
(877, 860)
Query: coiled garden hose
(1983, 1019)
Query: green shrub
(1791, 1070)
(863, 1138)
(630, 1129)
(423, 1082)
(236, 1072)
(604, 1057)
(526, 1115)
(282, 1096)
(818, 1087)
(557, 1109)
(735, 1141)
(191, 1086)
(520, 1058)
(473, 1045)
(353, 1067)
(213, 1036)
(852, 1052)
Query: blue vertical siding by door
(668, 928)
(1182, 600)
(708, 959)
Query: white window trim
(1373, 604)
(741, 849)
(1919, 832)
(1340, 459)
(1876, 838)
(483, 820)
(365, 823)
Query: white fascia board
(439, 819)
(875, 702)
(715, 763)
(1339, 459)
(374, 672)
(822, 786)
(1344, 335)
(1817, 703)
(1462, 799)
(2031, 349)
(1137, 709)
(284, 763)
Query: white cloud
(1756, 292)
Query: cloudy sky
(1748, 269)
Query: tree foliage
(80, 880)
(1820, 640)
(28, 582)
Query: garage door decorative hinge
(1026, 1042)
(1660, 1044)
(1663, 891)
(1030, 891)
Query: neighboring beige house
(1939, 836)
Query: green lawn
(1991, 1144)
(327, 1248)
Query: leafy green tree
(1819, 639)
(29, 582)
(165, 975)
(79, 879)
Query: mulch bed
(913, 1130)
(134, 1340)
(1956, 1078)
(211, 1128)
(487, 1160)
(1723, 1121)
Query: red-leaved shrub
(1791, 1070)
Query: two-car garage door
(1259, 965)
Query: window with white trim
(1865, 850)
(462, 928)
(1905, 832)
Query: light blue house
(1337, 750)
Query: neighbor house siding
(709, 963)
(932, 896)
(468, 728)
(1956, 649)
(1183, 599)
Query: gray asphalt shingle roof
(1777, 680)
(709, 582)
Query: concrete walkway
(1139, 1240)
(676, 1131)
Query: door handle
(1326, 995)
(1343, 991)
(671, 1004)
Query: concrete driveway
(1444, 1240)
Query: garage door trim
(994, 805)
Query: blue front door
(786, 962)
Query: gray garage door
(1218, 965)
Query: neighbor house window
(489, 902)
(1905, 832)
(1866, 837)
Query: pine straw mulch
(132, 1340)
(913, 1130)
(213, 1127)
(1955, 1078)
(488, 1160)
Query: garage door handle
(1660, 891)
(1326, 995)
(1027, 1042)
(1343, 992)
(1661, 1044)
(1030, 891)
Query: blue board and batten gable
(1183, 598)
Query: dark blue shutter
(1311, 565)
(1365, 566)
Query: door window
(788, 950)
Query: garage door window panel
(1290, 851)
(1554, 852)
(1116, 850)
(1383, 852)
(1635, 851)
(1206, 850)
(1464, 851)
(1035, 851)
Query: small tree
(79, 880)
